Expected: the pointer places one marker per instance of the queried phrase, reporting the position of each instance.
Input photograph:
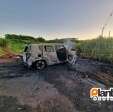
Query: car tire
(40, 65)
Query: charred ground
(55, 89)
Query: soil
(55, 89)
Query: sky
(82, 19)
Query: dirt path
(56, 88)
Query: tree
(40, 39)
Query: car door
(50, 54)
(26, 53)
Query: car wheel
(40, 64)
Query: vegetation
(23, 39)
(17, 42)
(100, 49)
(3, 43)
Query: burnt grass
(77, 92)
(73, 84)
(10, 104)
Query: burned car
(41, 55)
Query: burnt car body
(41, 55)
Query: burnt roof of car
(48, 44)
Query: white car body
(48, 53)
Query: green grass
(1, 52)
(3, 42)
(100, 48)
(16, 47)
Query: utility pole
(106, 23)
(102, 32)
(109, 34)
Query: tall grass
(3, 43)
(100, 48)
